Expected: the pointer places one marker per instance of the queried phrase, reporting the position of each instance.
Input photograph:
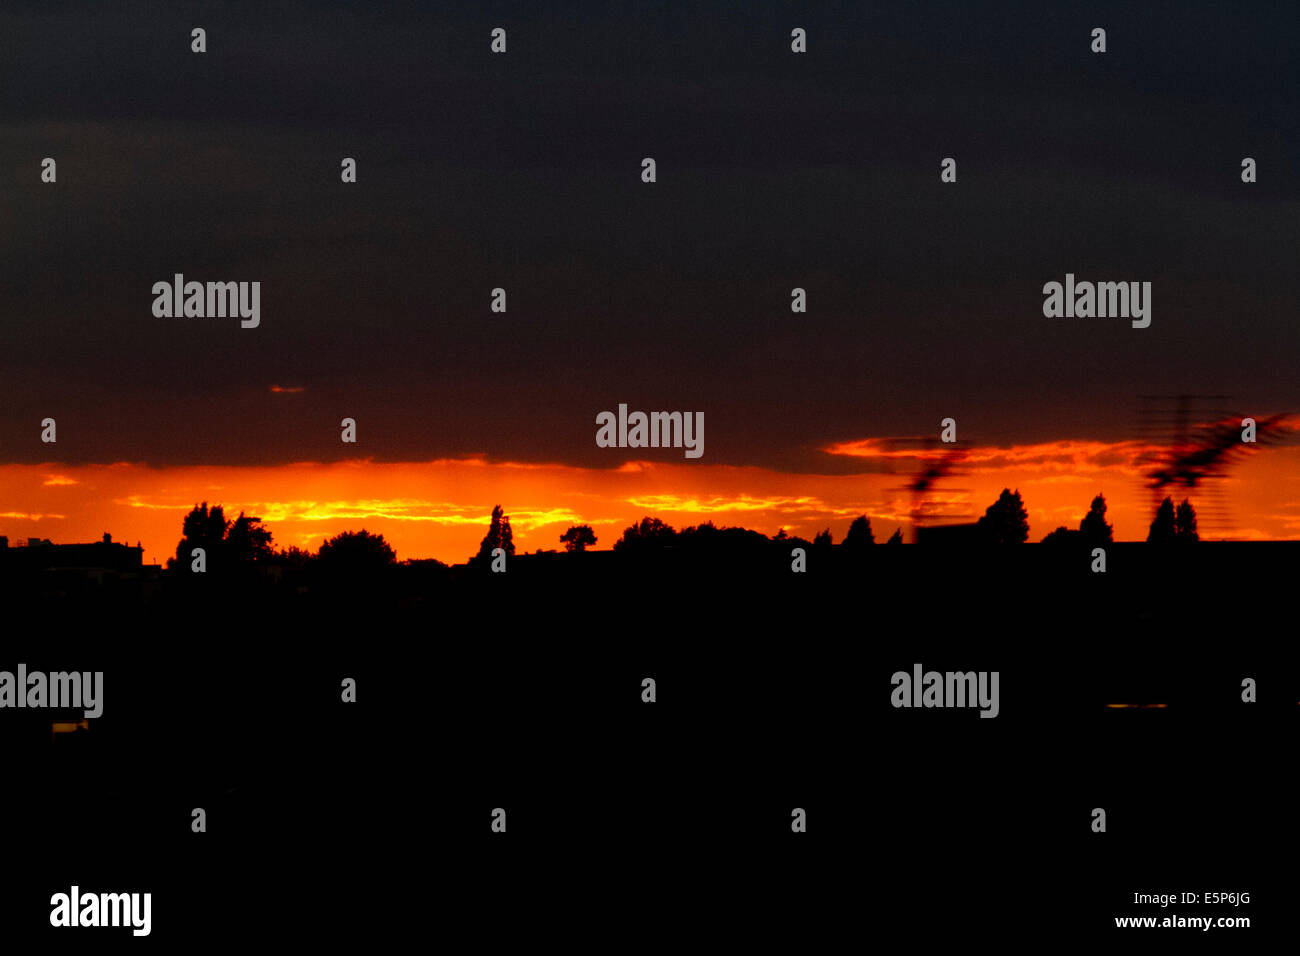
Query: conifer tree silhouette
(860, 534)
(1093, 527)
(1006, 521)
(1185, 523)
(499, 535)
(1162, 525)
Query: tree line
(243, 542)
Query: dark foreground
(670, 822)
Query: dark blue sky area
(522, 171)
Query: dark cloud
(521, 171)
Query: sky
(522, 171)
(441, 509)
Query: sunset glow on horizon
(440, 509)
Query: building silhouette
(68, 569)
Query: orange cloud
(440, 508)
(1068, 458)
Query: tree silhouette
(499, 535)
(1185, 523)
(822, 539)
(896, 537)
(794, 541)
(247, 542)
(1061, 535)
(203, 528)
(355, 553)
(295, 557)
(227, 545)
(649, 533)
(578, 538)
(1093, 527)
(1005, 521)
(231, 549)
(1162, 525)
(698, 535)
(860, 534)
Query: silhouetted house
(547, 564)
(949, 535)
(97, 559)
(65, 570)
